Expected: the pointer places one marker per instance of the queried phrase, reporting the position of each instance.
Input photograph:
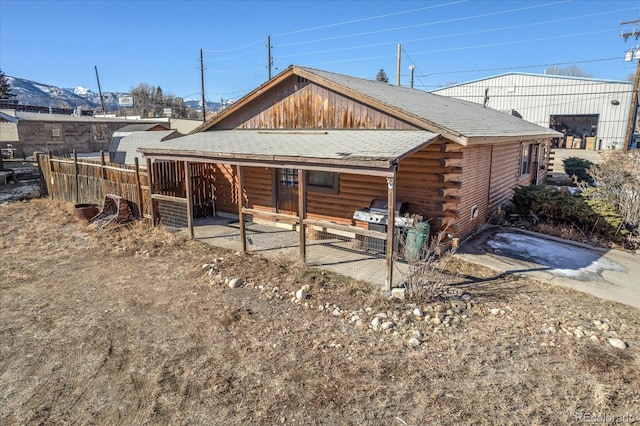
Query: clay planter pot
(85, 211)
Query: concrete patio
(332, 254)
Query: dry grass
(126, 328)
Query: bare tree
(144, 97)
(572, 71)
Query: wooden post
(53, 180)
(302, 212)
(189, 190)
(633, 110)
(243, 236)
(150, 180)
(103, 163)
(138, 184)
(75, 164)
(391, 207)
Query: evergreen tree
(5, 88)
(382, 76)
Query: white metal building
(593, 114)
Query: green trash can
(416, 241)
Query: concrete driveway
(608, 274)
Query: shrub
(592, 215)
(578, 169)
(425, 277)
(617, 185)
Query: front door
(287, 198)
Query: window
(525, 159)
(289, 177)
(326, 182)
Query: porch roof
(331, 150)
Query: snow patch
(79, 90)
(561, 259)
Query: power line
(479, 46)
(233, 49)
(468, 33)
(354, 21)
(444, 21)
(519, 67)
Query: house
(127, 130)
(590, 113)
(58, 133)
(311, 147)
(125, 150)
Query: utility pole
(269, 58)
(204, 108)
(398, 68)
(104, 110)
(633, 54)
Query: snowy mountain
(29, 92)
(33, 93)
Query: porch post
(243, 236)
(150, 182)
(391, 206)
(302, 212)
(189, 189)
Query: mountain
(29, 92)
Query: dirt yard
(128, 327)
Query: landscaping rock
(617, 343)
(301, 294)
(398, 293)
(375, 323)
(495, 311)
(235, 283)
(387, 325)
(414, 343)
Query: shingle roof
(35, 116)
(330, 146)
(140, 127)
(467, 119)
(126, 149)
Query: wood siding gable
(296, 103)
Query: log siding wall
(428, 180)
(474, 193)
(505, 170)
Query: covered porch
(318, 240)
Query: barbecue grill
(377, 216)
(377, 213)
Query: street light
(411, 68)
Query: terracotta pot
(85, 211)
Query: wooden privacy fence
(87, 181)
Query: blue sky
(159, 42)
